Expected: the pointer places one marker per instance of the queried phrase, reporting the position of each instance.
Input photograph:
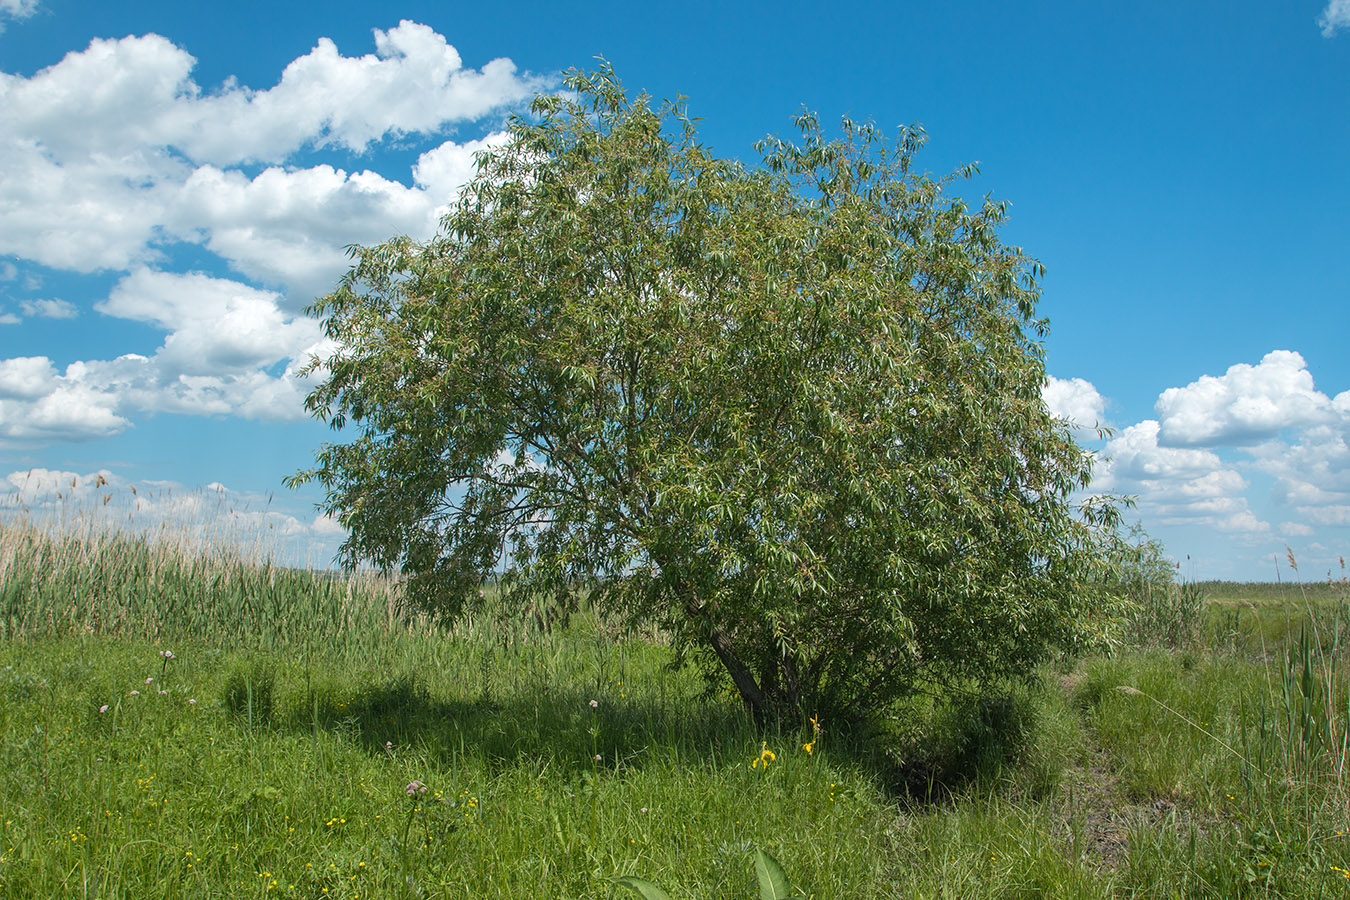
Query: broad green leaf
(773, 881)
(645, 888)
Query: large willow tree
(791, 413)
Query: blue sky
(177, 182)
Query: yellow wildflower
(766, 756)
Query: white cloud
(1321, 458)
(1335, 17)
(1246, 405)
(415, 83)
(1176, 485)
(216, 326)
(118, 97)
(70, 411)
(97, 213)
(1134, 455)
(1313, 475)
(327, 525)
(93, 399)
(1242, 521)
(443, 170)
(1296, 529)
(26, 377)
(1077, 401)
(115, 152)
(49, 309)
(16, 9)
(223, 339)
(290, 227)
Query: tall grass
(1308, 688)
(154, 588)
(300, 706)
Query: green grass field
(273, 754)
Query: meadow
(188, 722)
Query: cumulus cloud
(1076, 401)
(1312, 475)
(26, 377)
(1320, 458)
(1136, 455)
(119, 97)
(216, 326)
(1245, 406)
(442, 170)
(72, 410)
(290, 227)
(1335, 17)
(1177, 485)
(97, 213)
(223, 340)
(1335, 514)
(115, 153)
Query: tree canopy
(791, 413)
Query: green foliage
(792, 415)
(1159, 610)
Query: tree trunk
(745, 682)
(754, 698)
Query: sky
(179, 181)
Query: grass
(273, 755)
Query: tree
(791, 413)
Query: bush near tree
(790, 413)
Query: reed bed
(152, 587)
